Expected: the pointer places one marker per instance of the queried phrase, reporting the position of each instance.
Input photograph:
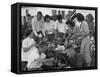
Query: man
(61, 27)
(28, 46)
(27, 23)
(27, 15)
(48, 28)
(28, 19)
(37, 24)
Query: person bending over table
(37, 25)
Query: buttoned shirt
(37, 25)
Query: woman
(75, 59)
(85, 43)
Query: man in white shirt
(37, 24)
(61, 27)
(48, 28)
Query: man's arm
(33, 27)
(43, 29)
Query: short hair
(69, 21)
(43, 45)
(27, 32)
(46, 16)
(27, 10)
(90, 16)
(59, 17)
(39, 12)
(79, 16)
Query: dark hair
(39, 12)
(69, 21)
(91, 18)
(59, 17)
(54, 18)
(27, 10)
(43, 45)
(27, 33)
(79, 17)
(46, 16)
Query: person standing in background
(28, 19)
(49, 28)
(37, 24)
(89, 19)
(27, 23)
(61, 27)
(91, 23)
(27, 15)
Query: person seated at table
(28, 45)
(48, 28)
(61, 27)
(37, 57)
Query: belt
(49, 32)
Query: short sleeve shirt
(25, 44)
